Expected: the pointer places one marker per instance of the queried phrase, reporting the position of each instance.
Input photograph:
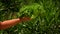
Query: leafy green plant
(31, 10)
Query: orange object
(8, 23)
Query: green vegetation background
(45, 14)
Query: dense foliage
(45, 14)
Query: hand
(25, 19)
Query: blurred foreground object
(9, 23)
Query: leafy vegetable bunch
(32, 11)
